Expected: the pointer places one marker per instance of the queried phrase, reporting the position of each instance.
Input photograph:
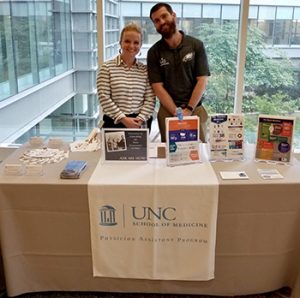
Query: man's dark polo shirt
(178, 68)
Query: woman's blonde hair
(132, 26)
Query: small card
(269, 174)
(73, 169)
(13, 169)
(234, 175)
(34, 170)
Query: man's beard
(171, 30)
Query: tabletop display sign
(125, 144)
(182, 140)
(274, 138)
(226, 135)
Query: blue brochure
(73, 169)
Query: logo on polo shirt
(163, 62)
(188, 57)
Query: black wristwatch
(190, 108)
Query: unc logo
(148, 213)
(188, 57)
(107, 216)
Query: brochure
(73, 169)
(226, 133)
(182, 140)
(274, 138)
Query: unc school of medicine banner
(142, 228)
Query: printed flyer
(182, 140)
(226, 136)
(274, 138)
(125, 144)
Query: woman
(123, 87)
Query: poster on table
(182, 140)
(125, 144)
(274, 138)
(226, 136)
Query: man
(177, 68)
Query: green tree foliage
(264, 77)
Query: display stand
(182, 140)
(125, 145)
(226, 137)
(274, 138)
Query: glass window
(113, 21)
(24, 45)
(211, 11)
(271, 84)
(192, 11)
(71, 121)
(69, 34)
(297, 13)
(130, 9)
(8, 84)
(177, 8)
(221, 41)
(44, 35)
(284, 13)
(60, 37)
(266, 19)
(282, 32)
(253, 11)
(146, 7)
(192, 26)
(266, 12)
(295, 34)
(35, 45)
(230, 12)
(266, 23)
(150, 34)
(283, 25)
(111, 8)
(131, 19)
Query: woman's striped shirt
(123, 90)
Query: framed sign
(182, 140)
(125, 144)
(274, 138)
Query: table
(4, 152)
(45, 236)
